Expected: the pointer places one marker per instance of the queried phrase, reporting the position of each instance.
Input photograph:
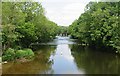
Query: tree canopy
(98, 25)
(24, 23)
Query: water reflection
(40, 65)
(94, 62)
(57, 41)
(65, 56)
(64, 62)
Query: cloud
(64, 12)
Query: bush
(26, 53)
(8, 55)
(29, 53)
(20, 54)
(11, 54)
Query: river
(65, 56)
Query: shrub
(20, 54)
(11, 54)
(26, 53)
(29, 53)
(8, 55)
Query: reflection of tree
(40, 64)
(94, 62)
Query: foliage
(11, 54)
(26, 53)
(98, 26)
(25, 23)
(63, 30)
(27, 31)
(9, 35)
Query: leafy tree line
(24, 23)
(63, 31)
(99, 25)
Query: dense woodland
(98, 26)
(24, 23)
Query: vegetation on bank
(98, 26)
(24, 23)
(11, 54)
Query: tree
(25, 23)
(98, 25)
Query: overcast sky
(64, 12)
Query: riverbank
(17, 55)
(64, 52)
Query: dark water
(65, 56)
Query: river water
(65, 56)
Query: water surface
(65, 56)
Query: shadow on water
(95, 61)
(65, 56)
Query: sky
(64, 12)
